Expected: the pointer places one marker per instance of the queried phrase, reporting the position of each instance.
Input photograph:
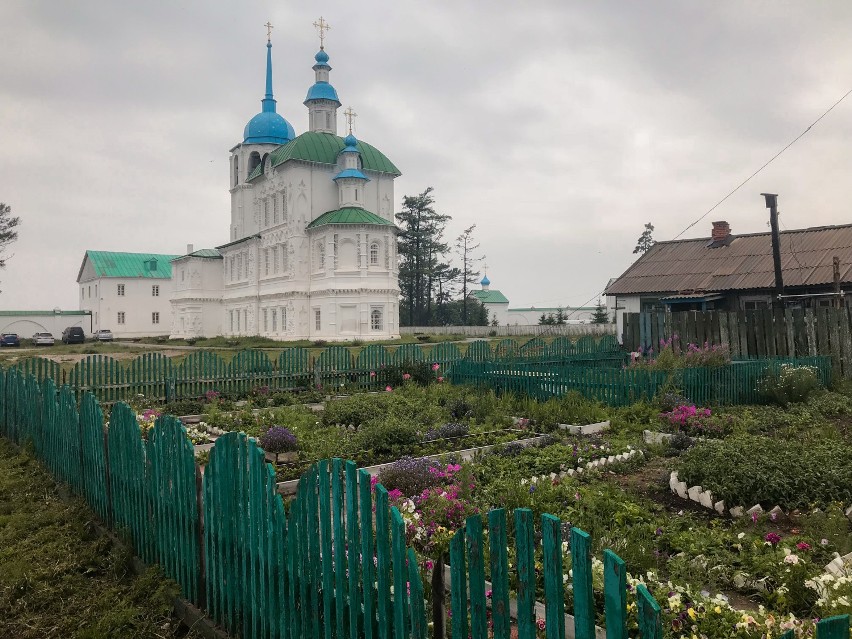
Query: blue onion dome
(350, 141)
(321, 57)
(485, 281)
(268, 127)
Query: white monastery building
(497, 306)
(127, 293)
(311, 250)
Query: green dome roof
(349, 215)
(323, 148)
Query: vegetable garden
(483, 516)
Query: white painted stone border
(705, 498)
(597, 463)
(586, 429)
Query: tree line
(435, 290)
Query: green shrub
(792, 473)
(386, 437)
(354, 410)
(789, 384)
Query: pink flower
(440, 379)
(388, 389)
(488, 594)
(372, 373)
(406, 376)
(803, 545)
(539, 624)
(773, 538)
(430, 564)
(435, 367)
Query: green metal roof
(490, 297)
(212, 253)
(349, 215)
(324, 148)
(109, 264)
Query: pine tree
(645, 240)
(8, 232)
(468, 274)
(600, 316)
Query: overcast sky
(558, 128)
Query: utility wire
(772, 159)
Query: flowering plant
(278, 439)
(692, 421)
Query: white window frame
(377, 319)
(120, 290)
(374, 254)
(274, 321)
(155, 290)
(121, 318)
(155, 317)
(317, 319)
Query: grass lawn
(58, 578)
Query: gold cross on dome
(322, 26)
(350, 117)
(269, 29)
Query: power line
(772, 159)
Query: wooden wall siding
(733, 384)
(336, 565)
(750, 334)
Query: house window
(155, 317)
(239, 267)
(376, 322)
(274, 321)
(120, 290)
(284, 260)
(90, 291)
(754, 303)
(274, 209)
(266, 211)
(356, 195)
(284, 205)
(155, 290)
(283, 319)
(265, 320)
(96, 290)
(374, 253)
(321, 255)
(317, 319)
(825, 303)
(181, 275)
(96, 318)
(238, 321)
(120, 317)
(232, 268)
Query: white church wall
(26, 323)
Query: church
(311, 249)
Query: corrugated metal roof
(110, 264)
(744, 264)
(349, 215)
(490, 297)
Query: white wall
(100, 296)
(525, 316)
(197, 297)
(44, 322)
(626, 304)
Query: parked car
(9, 339)
(103, 335)
(73, 335)
(43, 339)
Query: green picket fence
(736, 383)
(153, 375)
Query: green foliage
(789, 384)
(59, 577)
(600, 316)
(645, 241)
(388, 436)
(746, 470)
(354, 410)
(8, 232)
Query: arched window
(376, 323)
(254, 160)
(321, 258)
(236, 170)
(374, 254)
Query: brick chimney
(721, 231)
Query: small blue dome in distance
(485, 281)
(321, 57)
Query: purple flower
(278, 440)
(772, 538)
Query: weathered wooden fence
(156, 376)
(749, 334)
(335, 565)
(736, 383)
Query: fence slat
(499, 573)
(525, 546)
(615, 596)
(650, 622)
(554, 586)
(458, 585)
(476, 577)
